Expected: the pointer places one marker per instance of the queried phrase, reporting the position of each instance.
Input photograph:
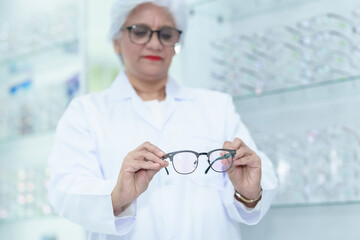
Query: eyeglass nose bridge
(201, 154)
(158, 36)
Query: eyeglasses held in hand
(186, 161)
(141, 34)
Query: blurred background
(292, 67)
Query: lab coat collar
(121, 89)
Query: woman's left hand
(245, 172)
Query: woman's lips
(153, 58)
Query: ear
(116, 44)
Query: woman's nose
(154, 41)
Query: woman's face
(151, 60)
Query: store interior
(292, 67)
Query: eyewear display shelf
(40, 66)
(296, 84)
(24, 178)
(35, 89)
(312, 135)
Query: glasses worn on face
(186, 161)
(141, 34)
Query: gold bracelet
(239, 197)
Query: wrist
(249, 202)
(119, 205)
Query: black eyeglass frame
(130, 28)
(230, 154)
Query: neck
(149, 89)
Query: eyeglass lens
(141, 34)
(185, 162)
(220, 161)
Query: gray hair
(121, 9)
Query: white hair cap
(121, 9)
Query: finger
(147, 165)
(237, 143)
(242, 152)
(134, 166)
(151, 148)
(227, 145)
(144, 155)
(226, 161)
(250, 160)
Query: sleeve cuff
(128, 212)
(239, 204)
(126, 219)
(238, 211)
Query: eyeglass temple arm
(219, 158)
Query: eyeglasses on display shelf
(211, 8)
(4, 42)
(328, 21)
(28, 34)
(321, 165)
(356, 12)
(328, 41)
(218, 76)
(289, 65)
(217, 46)
(240, 86)
(33, 109)
(23, 194)
(340, 62)
(252, 61)
(319, 73)
(282, 34)
(250, 80)
(321, 49)
(219, 61)
(237, 87)
(39, 68)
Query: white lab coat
(98, 130)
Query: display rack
(296, 84)
(40, 66)
(312, 136)
(229, 10)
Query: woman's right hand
(137, 170)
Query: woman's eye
(140, 32)
(166, 35)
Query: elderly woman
(110, 169)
